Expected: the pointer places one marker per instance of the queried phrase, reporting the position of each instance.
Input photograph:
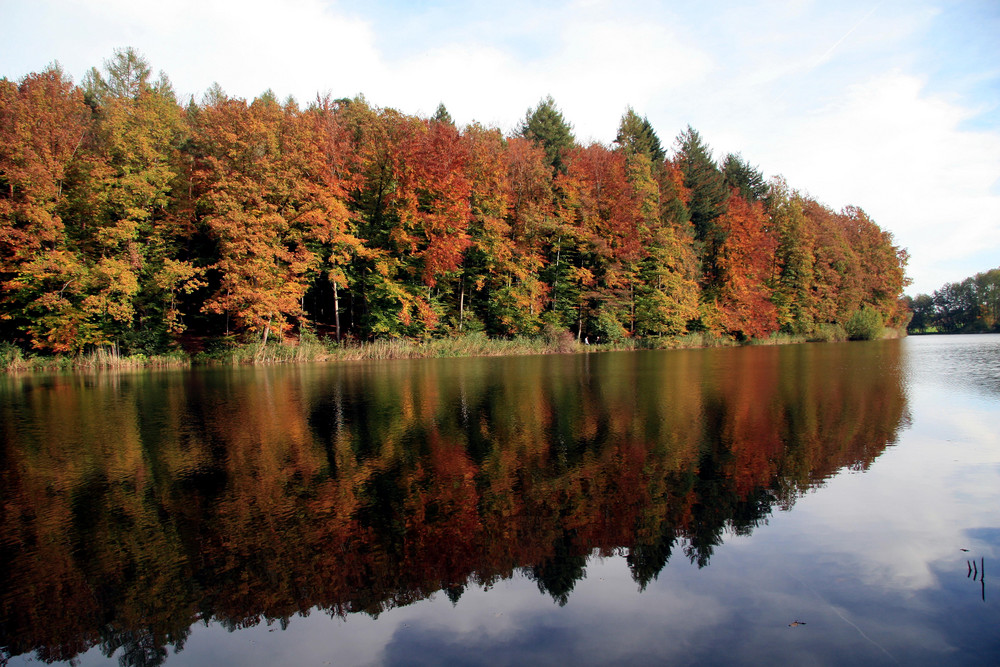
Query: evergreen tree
(708, 198)
(546, 126)
(707, 184)
(745, 178)
(441, 115)
(126, 76)
(636, 135)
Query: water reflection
(136, 505)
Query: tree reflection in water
(137, 505)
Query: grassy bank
(13, 360)
(315, 350)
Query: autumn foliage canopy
(128, 219)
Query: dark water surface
(811, 504)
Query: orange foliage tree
(741, 292)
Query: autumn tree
(792, 276)
(433, 204)
(325, 159)
(503, 259)
(261, 194)
(746, 257)
(410, 197)
(882, 264)
(125, 220)
(379, 301)
(43, 123)
(528, 184)
(664, 290)
(838, 287)
(599, 211)
(126, 208)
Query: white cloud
(831, 96)
(903, 156)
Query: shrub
(11, 358)
(865, 324)
(609, 328)
(558, 339)
(827, 333)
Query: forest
(969, 306)
(133, 222)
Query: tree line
(130, 220)
(969, 306)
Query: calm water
(811, 504)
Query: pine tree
(546, 126)
(441, 115)
(745, 178)
(636, 135)
(707, 184)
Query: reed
(13, 360)
(311, 349)
(779, 338)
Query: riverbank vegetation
(135, 227)
(969, 306)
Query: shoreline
(314, 350)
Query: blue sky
(892, 106)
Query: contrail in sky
(848, 33)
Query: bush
(827, 333)
(865, 324)
(11, 358)
(558, 339)
(609, 328)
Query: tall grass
(309, 348)
(13, 360)
(700, 339)
(779, 338)
(827, 333)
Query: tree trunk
(461, 305)
(336, 310)
(632, 308)
(555, 278)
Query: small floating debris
(796, 623)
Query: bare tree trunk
(336, 310)
(632, 309)
(461, 305)
(555, 279)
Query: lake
(816, 504)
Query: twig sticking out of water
(977, 572)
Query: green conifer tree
(636, 135)
(546, 126)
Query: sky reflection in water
(581, 460)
